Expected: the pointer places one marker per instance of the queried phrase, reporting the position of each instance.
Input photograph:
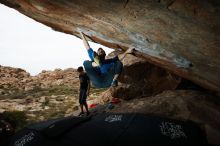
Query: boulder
(179, 35)
(18, 79)
(141, 78)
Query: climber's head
(80, 70)
(101, 53)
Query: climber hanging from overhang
(103, 72)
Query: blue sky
(27, 44)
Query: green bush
(16, 118)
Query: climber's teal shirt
(102, 75)
(105, 64)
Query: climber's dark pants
(102, 80)
(82, 96)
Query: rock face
(140, 79)
(68, 77)
(16, 79)
(180, 35)
(11, 78)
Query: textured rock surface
(11, 78)
(15, 79)
(140, 79)
(180, 35)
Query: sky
(27, 44)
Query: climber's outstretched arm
(129, 51)
(85, 42)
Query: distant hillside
(14, 80)
(50, 94)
